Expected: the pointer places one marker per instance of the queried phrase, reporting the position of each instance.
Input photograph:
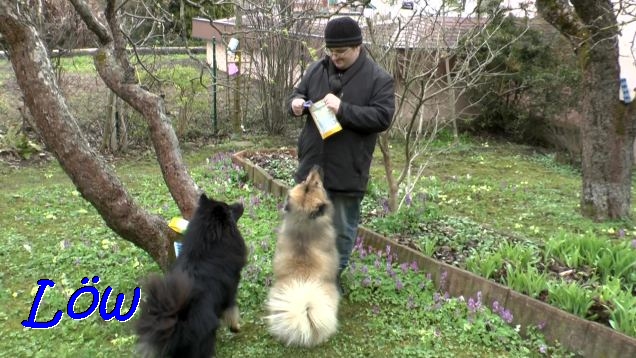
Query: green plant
(485, 266)
(518, 254)
(528, 281)
(17, 142)
(408, 219)
(623, 315)
(571, 297)
(427, 246)
(565, 248)
(590, 245)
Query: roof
(432, 31)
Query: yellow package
(179, 224)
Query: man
(361, 94)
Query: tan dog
(303, 300)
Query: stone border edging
(578, 335)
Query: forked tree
(607, 126)
(59, 130)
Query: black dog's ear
(237, 211)
(320, 211)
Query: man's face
(343, 57)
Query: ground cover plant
(50, 232)
(508, 213)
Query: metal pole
(237, 96)
(214, 102)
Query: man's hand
(297, 106)
(332, 102)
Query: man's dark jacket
(367, 104)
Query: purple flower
(385, 206)
(366, 282)
(377, 263)
(621, 233)
(399, 285)
(474, 305)
(414, 266)
(404, 267)
(442, 280)
(358, 241)
(541, 325)
(436, 297)
(543, 349)
(364, 269)
(407, 200)
(390, 271)
(255, 200)
(410, 303)
(634, 244)
(502, 312)
(506, 316)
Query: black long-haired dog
(182, 310)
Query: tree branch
(561, 15)
(115, 70)
(61, 134)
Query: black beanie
(342, 32)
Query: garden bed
(444, 252)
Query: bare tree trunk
(115, 137)
(383, 143)
(451, 98)
(607, 129)
(607, 138)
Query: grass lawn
(49, 231)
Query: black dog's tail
(166, 302)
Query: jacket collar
(349, 73)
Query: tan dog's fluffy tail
(303, 313)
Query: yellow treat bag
(179, 224)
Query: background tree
(539, 85)
(607, 128)
(58, 128)
(437, 57)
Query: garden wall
(587, 338)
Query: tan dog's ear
(315, 176)
(319, 171)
